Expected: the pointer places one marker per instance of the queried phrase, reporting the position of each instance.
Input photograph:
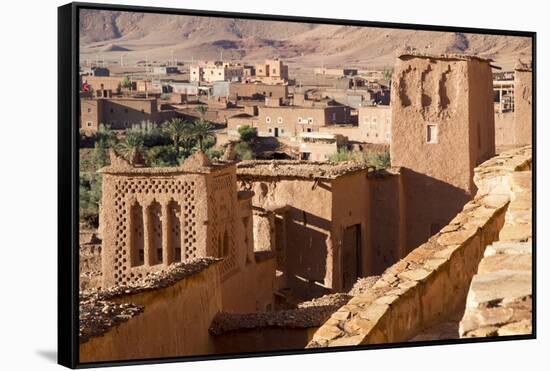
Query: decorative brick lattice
(130, 201)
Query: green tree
(104, 139)
(247, 133)
(132, 140)
(161, 156)
(202, 133)
(105, 136)
(180, 133)
(126, 83)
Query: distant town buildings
(272, 71)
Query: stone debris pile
(307, 314)
(98, 316)
(311, 313)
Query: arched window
(155, 238)
(137, 252)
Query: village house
(374, 123)
(276, 120)
(321, 246)
(113, 83)
(257, 91)
(119, 112)
(272, 71)
(240, 120)
(210, 72)
(319, 146)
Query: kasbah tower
(442, 128)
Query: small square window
(89, 123)
(89, 110)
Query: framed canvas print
(236, 184)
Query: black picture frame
(68, 168)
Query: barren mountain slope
(157, 36)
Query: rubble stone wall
(430, 283)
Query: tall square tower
(442, 127)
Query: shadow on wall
(430, 205)
(306, 253)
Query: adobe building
(119, 112)
(210, 72)
(442, 127)
(275, 120)
(259, 91)
(375, 123)
(113, 83)
(151, 218)
(272, 71)
(239, 120)
(321, 215)
(319, 146)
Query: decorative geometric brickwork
(153, 217)
(130, 201)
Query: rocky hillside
(158, 36)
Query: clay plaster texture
(442, 127)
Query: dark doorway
(276, 132)
(351, 256)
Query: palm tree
(132, 142)
(202, 131)
(179, 131)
